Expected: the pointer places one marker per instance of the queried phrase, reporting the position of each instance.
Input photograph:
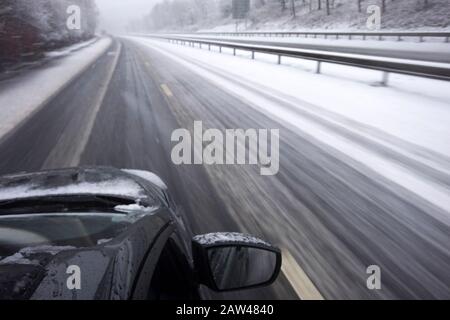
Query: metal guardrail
(337, 35)
(387, 65)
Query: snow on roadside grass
(70, 49)
(24, 94)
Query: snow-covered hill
(215, 15)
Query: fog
(116, 14)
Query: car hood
(75, 181)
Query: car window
(18, 232)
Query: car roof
(72, 181)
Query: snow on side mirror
(234, 261)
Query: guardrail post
(447, 39)
(234, 51)
(253, 55)
(279, 59)
(364, 37)
(220, 49)
(420, 39)
(209, 47)
(385, 79)
(319, 65)
(399, 38)
(380, 37)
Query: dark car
(104, 233)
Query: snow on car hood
(135, 207)
(119, 187)
(149, 176)
(223, 237)
(116, 186)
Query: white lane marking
(166, 90)
(90, 125)
(299, 280)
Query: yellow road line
(166, 90)
(298, 279)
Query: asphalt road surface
(331, 220)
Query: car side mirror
(234, 261)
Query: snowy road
(348, 194)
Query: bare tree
(293, 8)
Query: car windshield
(19, 233)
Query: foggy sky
(116, 14)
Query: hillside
(215, 15)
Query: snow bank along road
(364, 171)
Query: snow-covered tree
(50, 17)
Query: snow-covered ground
(410, 111)
(24, 94)
(70, 49)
